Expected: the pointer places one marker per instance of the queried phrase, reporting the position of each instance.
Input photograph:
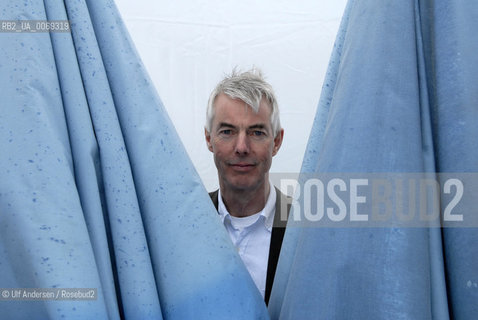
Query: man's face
(243, 143)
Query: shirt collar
(267, 213)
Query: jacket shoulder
(214, 199)
(283, 204)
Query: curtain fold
(400, 96)
(451, 45)
(97, 190)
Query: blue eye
(226, 131)
(258, 133)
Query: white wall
(187, 46)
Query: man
(244, 133)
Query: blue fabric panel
(44, 235)
(400, 96)
(452, 46)
(97, 190)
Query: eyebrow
(258, 126)
(254, 126)
(225, 124)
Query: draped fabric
(96, 189)
(401, 95)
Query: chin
(240, 184)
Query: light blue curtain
(96, 189)
(401, 95)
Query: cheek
(264, 152)
(219, 158)
(223, 150)
(220, 146)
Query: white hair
(249, 87)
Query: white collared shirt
(252, 236)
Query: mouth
(242, 166)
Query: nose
(242, 144)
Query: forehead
(237, 112)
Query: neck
(243, 203)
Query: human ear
(278, 142)
(208, 139)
